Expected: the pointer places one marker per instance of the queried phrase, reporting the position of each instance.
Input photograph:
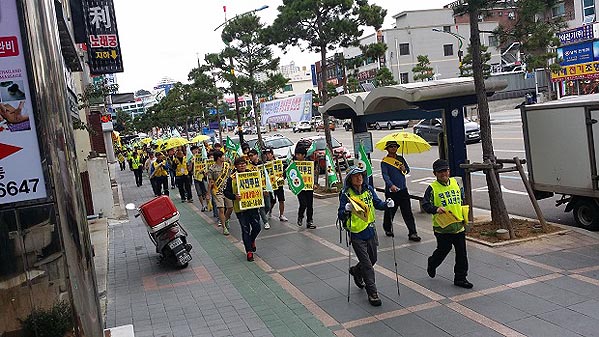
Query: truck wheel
(586, 214)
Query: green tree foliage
(373, 51)
(384, 77)
(323, 25)
(466, 67)
(123, 122)
(353, 85)
(423, 70)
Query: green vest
(450, 198)
(357, 224)
(135, 163)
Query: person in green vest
(137, 168)
(121, 159)
(357, 202)
(443, 199)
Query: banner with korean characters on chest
(249, 187)
(21, 174)
(306, 169)
(102, 37)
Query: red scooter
(162, 222)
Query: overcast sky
(164, 38)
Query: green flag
(331, 171)
(257, 148)
(311, 149)
(294, 179)
(363, 161)
(204, 153)
(268, 183)
(230, 144)
(288, 157)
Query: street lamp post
(460, 42)
(234, 84)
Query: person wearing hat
(360, 224)
(305, 197)
(444, 196)
(159, 174)
(249, 219)
(394, 169)
(278, 192)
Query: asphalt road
(508, 143)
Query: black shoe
(358, 280)
(414, 237)
(388, 233)
(432, 272)
(310, 225)
(375, 300)
(299, 222)
(463, 283)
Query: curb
(505, 121)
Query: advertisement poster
(575, 54)
(249, 187)
(292, 109)
(306, 169)
(21, 175)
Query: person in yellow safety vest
(182, 176)
(121, 159)
(249, 219)
(443, 197)
(357, 202)
(137, 168)
(129, 158)
(160, 175)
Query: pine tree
(423, 70)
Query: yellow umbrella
(408, 142)
(173, 142)
(146, 140)
(199, 138)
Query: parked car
(339, 151)
(280, 144)
(429, 130)
(320, 126)
(302, 126)
(379, 125)
(251, 130)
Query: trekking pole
(394, 257)
(348, 243)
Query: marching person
(394, 169)
(361, 227)
(182, 176)
(137, 168)
(160, 175)
(217, 178)
(254, 162)
(444, 196)
(121, 159)
(148, 167)
(278, 192)
(170, 165)
(249, 219)
(199, 178)
(305, 197)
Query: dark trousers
(172, 175)
(249, 220)
(401, 199)
(160, 185)
(306, 201)
(122, 165)
(184, 185)
(366, 252)
(444, 243)
(138, 172)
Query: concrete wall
(99, 178)
(82, 142)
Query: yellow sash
(398, 164)
(223, 176)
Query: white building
(424, 32)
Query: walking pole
(348, 263)
(394, 257)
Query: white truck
(561, 140)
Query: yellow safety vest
(357, 224)
(159, 170)
(181, 167)
(135, 163)
(450, 198)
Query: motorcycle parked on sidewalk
(166, 232)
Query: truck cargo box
(159, 213)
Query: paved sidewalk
(298, 284)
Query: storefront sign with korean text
(249, 187)
(306, 169)
(578, 34)
(588, 70)
(575, 54)
(102, 37)
(21, 173)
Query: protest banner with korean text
(249, 188)
(306, 169)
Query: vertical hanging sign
(102, 37)
(21, 174)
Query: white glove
(348, 207)
(390, 203)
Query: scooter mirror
(130, 206)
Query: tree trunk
(257, 120)
(499, 213)
(324, 96)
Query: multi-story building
(433, 33)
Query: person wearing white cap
(357, 202)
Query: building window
(404, 49)
(403, 78)
(558, 10)
(588, 8)
(448, 49)
(493, 41)
(447, 29)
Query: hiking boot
(227, 223)
(250, 256)
(204, 209)
(358, 280)
(266, 225)
(283, 218)
(310, 225)
(253, 246)
(432, 272)
(219, 224)
(299, 221)
(225, 230)
(414, 237)
(375, 300)
(389, 233)
(463, 284)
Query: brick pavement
(298, 284)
